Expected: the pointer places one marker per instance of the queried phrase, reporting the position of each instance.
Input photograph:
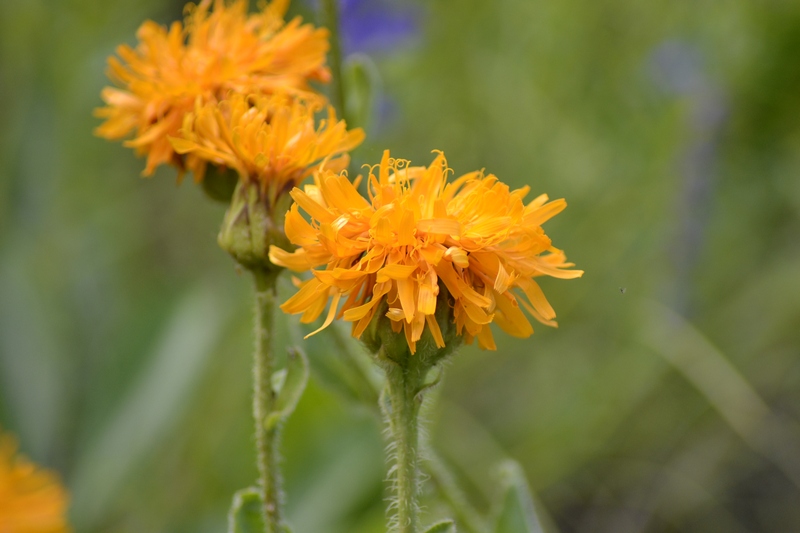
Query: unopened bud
(252, 223)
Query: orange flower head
(31, 500)
(218, 49)
(416, 232)
(272, 140)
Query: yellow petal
(516, 323)
(308, 293)
(540, 215)
(444, 226)
(331, 314)
(395, 271)
(297, 261)
(537, 298)
(435, 331)
(405, 291)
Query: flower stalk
(404, 381)
(267, 438)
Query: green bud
(252, 223)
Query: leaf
(517, 512)
(290, 391)
(245, 514)
(443, 526)
(278, 379)
(362, 81)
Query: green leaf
(245, 514)
(361, 80)
(291, 389)
(278, 379)
(443, 526)
(518, 511)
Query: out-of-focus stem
(331, 21)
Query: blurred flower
(377, 25)
(271, 140)
(31, 500)
(218, 50)
(368, 26)
(474, 235)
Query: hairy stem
(403, 383)
(264, 400)
(331, 21)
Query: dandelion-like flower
(31, 499)
(415, 233)
(272, 140)
(220, 49)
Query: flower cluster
(220, 49)
(415, 233)
(31, 499)
(231, 89)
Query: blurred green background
(669, 398)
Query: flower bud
(252, 223)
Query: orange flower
(217, 51)
(272, 140)
(31, 499)
(474, 235)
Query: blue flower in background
(377, 25)
(370, 26)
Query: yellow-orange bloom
(218, 50)
(273, 140)
(31, 500)
(474, 235)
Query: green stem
(403, 383)
(264, 401)
(331, 21)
